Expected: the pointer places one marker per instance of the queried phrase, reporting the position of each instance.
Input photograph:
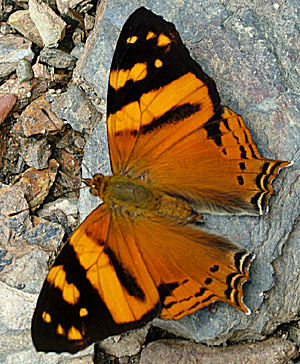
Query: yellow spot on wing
(117, 79)
(83, 312)
(163, 40)
(158, 63)
(46, 317)
(132, 39)
(74, 334)
(150, 35)
(60, 330)
(57, 277)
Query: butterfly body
(135, 198)
(174, 151)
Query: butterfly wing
(97, 287)
(166, 125)
(190, 267)
(153, 81)
(117, 273)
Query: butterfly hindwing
(97, 287)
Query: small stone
(69, 208)
(14, 214)
(77, 50)
(24, 70)
(36, 183)
(35, 152)
(76, 108)
(89, 22)
(21, 21)
(124, 345)
(12, 50)
(50, 26)
(38, 118)
(63, 5)
(56, 58)
(6, 29)
(7, 102)
(77, 36)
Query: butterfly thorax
(139, 198)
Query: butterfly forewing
(153, 83)
(98, 286)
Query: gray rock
(24, 70)
(234, 46)
(56, 58)
(77, 50)
(21, 21)
(178, 351)
(12, 50)
(50, 26)
(74, 107)
(35, 153)
(128, 344)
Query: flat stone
(21, 21)
(35, 153)
(50, 26)
(56, 58)
(64, 5)
(76, 108)
(38, 118)
(77, 50)
(232, 44)
(36, 183)
(7, 102)
(128, 344)
(178, 351)
(62, 211)
(12, 49)
(14, 213)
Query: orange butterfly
(175, 152)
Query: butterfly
(175, 152)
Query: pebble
(77, 50)
(7, 102)
(24, 70)
(50, 26)
(35, 152)
(21, 21)
(38, 118)
(36, 183)
(12, 49)
(56, 58)
(6, 29)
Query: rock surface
(178, 351)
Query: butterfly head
(96, 184)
